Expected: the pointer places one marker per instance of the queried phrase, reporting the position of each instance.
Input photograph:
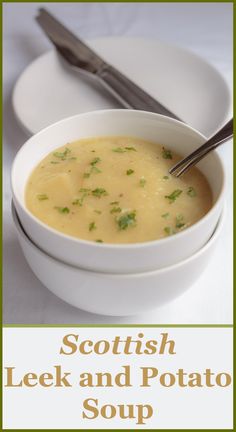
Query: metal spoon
(193, 158)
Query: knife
(83, 58)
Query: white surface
(206, 29)
(130, 258)
(196, 92)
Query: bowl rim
(116, 246)
(172, 267)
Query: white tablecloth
(205, 28)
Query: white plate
(49, 91)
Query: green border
(121, 1)
(114, 325)
(119, 325)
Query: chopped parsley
(79, 201)
(99, 241)
(42, 197)
(191, 192)
(130, 149)
(114, 203)
(168, 230)
(129, 171)
(175, 194)
(95, 161)
(99, 192)
(142, 182)
(123, 149)
(119, 150)
(54, 162)
(63, 210)
(126, 220)
(165, 177)
(94, 168)
(115, 210)
(179, 221)
(76, 202)
(62, 155)
(92, 226)
(166, 154)
(85, 190)
(165, 215)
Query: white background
(206, 29)
(37, 350)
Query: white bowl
(115, 294)
(123, 258)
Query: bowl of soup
(115, 294)
(94, 191)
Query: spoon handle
(193, 158)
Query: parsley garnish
(63, 210)
(114, 202)
(99, 241)
(191, 192)
(142, 182)
(119, 150)
(54, 162)
(85, 190)
(165, 177)
(42, 197)
(166, 154)
(168, 230)
(79, 201)
(179, 221)
(175, 194)
(95, 161)
(76, 202)
(129, 171)
(165, 215)
(62, 155)
(123, 149)
(126, 220)
(130, 148)
(99, 192)
(92, 226)
(93, 168)
(115, 210)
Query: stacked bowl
(116, 279)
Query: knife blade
(82, 57)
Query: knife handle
(128, 93)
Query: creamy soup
(116, 190)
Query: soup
(116, 190)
